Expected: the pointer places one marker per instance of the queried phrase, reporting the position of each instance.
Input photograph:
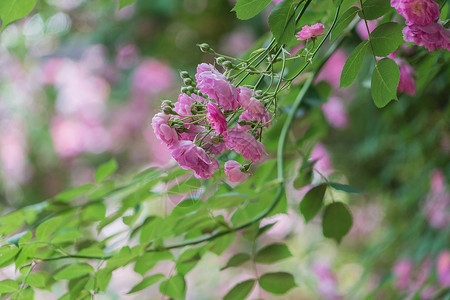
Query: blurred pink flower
(437, 203)
(361, 28)
(335, 113)
(214, 84)
(407, 82)
(244, 143)
(443, 268)
(72, 136)
(402, 270)
(13, 153)
(190, 156)
(326, 281)
(127, 56)
(152, 77)
(332, 69)
(237, 42)
(285, 223)
(323, 164)
(234, 173)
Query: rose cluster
(310, 32)
(212, 116)
(422, 26)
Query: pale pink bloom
(284, 224)
(402, 270)
(254, 107)
(437, 203)
(428, 293)
(159, 154)
(216, 118)
(443, 268)
(184, 104)
(245, 94)
(214, 84)
(418, 12)
(407, 82)
(335, 113)
(430, 36)
(163, 131)
(326, 281)
(190, 156)
(50, 70)
(276, 1)
(234, 172)
(361, 28)
(72, 136)
(332, 69)
(13, 153)
(323, 164)
(213, 147)
(248, 116)
(244, 143)
(237, 42)
(127, 56)
(309, 32)
(152, 77)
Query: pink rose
(163, 131)
(430, 36)
(248, 116)
(152, 77)
(214, 84)
(309, 32)
(417, 12)
(244, 143)
(213, 147)
(233, 171)
(334, 112)
(244, 96)
(190, 156)
(443, 268)
(184, 104)
(216, 118)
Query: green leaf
(48, 227)
(337, 221)
(68, 236)
(345, 188)
(188, 260)
(94, 212)
(8, 286)
(312, 202)
(353, 64)
(186, 206)
(282, 22)
(346, 18)
(7, 253)
(277, 283)
(37, 279)
(186, 186)
(272, 253)
(105, 170)
(174, 287)
(150, 259)
(240, 290)
(123, 3)
(373, 9)
(386, 38)
(74, 193)
(12, 10)
(236, 260)
(220, 244)
(74, 271)
(385, 79)
(103, 277)
(92, 251)
(247, 9)
(146, 282)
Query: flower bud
(188, 81)
(190, 90)
(184, 74)
(167, 110)
(167, 103)
(220, 60)
(184, 90)
(227, 64)
(205, 47)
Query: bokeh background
(80, 81)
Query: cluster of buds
(210, 117)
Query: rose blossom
(248, 116)
(252, 105)
(190, 156)
(163, 131)
(244, 143)
(430, 36)
(214, 84)
(334, 112)
(214, 148)
(216, 117)
(418, 12)
(403, 272)
(309, 32)
(233, 171)
(184, 104)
